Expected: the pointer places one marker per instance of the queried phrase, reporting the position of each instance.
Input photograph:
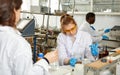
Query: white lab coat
(96, 36)
(79, 48)
(16, 55)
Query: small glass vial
(72, 72)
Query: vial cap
(41, 55)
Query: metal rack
(99, 66)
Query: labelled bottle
(106, 51)
(40, 56)
(102, 52)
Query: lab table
(68, 70)
(93, 68)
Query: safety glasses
(70, 30)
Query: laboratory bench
(97, 67)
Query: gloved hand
(104, 37)
(94, 49)
(107, 30)
(73, 61)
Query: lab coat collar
(9, 29)
(87, 23)
(77, 34)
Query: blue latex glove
(73, 61)
(94, 49)
(104, 37)
(107, 30)
(92, 27)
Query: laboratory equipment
(99, 67)
(44, 9)
(114, 38)
(79, 69)
(115, 33)
(26, 27)
(104, 52)
(118, 68)
(36, 6)
(60, 11)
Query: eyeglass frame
(70, 30)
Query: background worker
(87, 27)
(73, 45)
(15, 51)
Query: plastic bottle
(40, 56)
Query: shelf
(78, 13)
(84, 6)
(113, 40)
(107, 13)
(103, 3)
(77, 3)
(97, 13)
(52, 14)
(106, 4)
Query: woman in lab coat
(86, 26)
(72, 43)
(15, 51)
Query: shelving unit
(80, 5)
(100, 7)
(106, 6)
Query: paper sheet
(118, 68)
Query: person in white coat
(87, 27)
(72, 43)
(15, 51)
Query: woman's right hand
(52, 56)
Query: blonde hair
(67, 19)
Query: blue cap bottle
(40, 55)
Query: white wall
(101, 22)
(26, 5)
(53, 20)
